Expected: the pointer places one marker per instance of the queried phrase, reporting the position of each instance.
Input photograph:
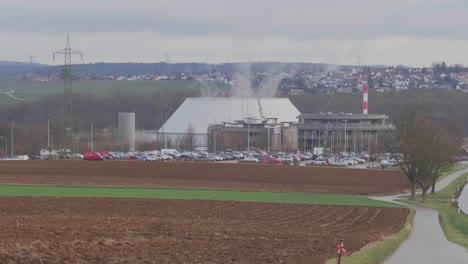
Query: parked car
(92, 156)
(319, 162)
(237, 155)
(299, 157)
(203, 158)
(163, 156)
(34, 157)
(172, 152)
(186, 156)
(349, 162)
(387, 163)
(339, 163)
(359, 160)
(269, 160)
(288, 158)
(250, 159)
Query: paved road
(427, 243)
(463, 200)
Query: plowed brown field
(204, 175)
(85, 230)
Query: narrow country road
(427, 243)
(14, 97)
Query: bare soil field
(204, 175)
(98, 230)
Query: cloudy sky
(408, 32)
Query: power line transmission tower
(66, 137)
(31, 60)
(167, 60)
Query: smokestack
(365, 103)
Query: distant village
(339, 80)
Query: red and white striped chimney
(365, 103)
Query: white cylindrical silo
(127, 130)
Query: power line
(31, 60)
(66, 140)
(167, 60)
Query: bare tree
(426, 144)
(189, 138)
(449, 139)
(409, 146)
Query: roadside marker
(341, 251)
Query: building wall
(328, 131)
(236, 138)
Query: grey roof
(334, 116)
(201, 112)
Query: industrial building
(269, 124)
(250, 134)
(342, 132)
(195, 115)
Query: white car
(339, 163)
(151, 157)
(350, 162)
(319, 162)
(216, 157)
(164, 157)
(388, 163)
(250, 159)
(359, 160)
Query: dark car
(186, 157)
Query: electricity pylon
(66, 137)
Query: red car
(92, 156)
(269, 160)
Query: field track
(102, 230)
(203, 175)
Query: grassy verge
(378, 251)
(191, 194)
(455, 225)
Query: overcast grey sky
(409, 32)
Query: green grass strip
(191, 194)
(378, 251)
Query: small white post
(453, 198)
(458, 187)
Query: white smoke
(207, 90)
(331, 68)
(270, 84)
(244, 77)
(242, 84)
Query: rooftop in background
(341, 116)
